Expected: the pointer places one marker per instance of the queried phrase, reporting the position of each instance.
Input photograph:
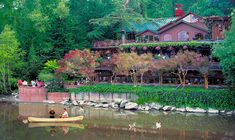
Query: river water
(109, 124)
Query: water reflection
(108, 124)
(55, 128)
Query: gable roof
(177, 20)
(140, 27)
(145, 32)
(158, 24)
(180, 22)
(151, 25)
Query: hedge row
(167, 44)
(191, 97)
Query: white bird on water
(158, 125)
(132, 125)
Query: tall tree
(10, 59)
(225, 52)
(120, 17)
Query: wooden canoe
(55, 120)
(80, 126)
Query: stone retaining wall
(58, 96)
(32, 94)
(35, 94)
(105, 97)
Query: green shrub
(56, 85)
(190, 96)
(45, 76)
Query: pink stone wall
(182, 27)
(32, 94)
(35, 94)
(58, 96)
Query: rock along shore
(128, 105)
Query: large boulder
(195, 110)
(167, 108)
(98, 105)
(147, 108)
(114, 105)
(105, 105)
(213, 111)
(156, 106)
(141, 107)
(131, 106)
(123, 103)
(117, 101)
(181, 109)
(229, 113)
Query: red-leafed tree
(79, 63)
(181, 63)
(203, 65)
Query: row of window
(182, 36)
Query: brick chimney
(178, 10)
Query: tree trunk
(183, 81)
(206, 81)
(4, 83)
(141, 78)
(160, 79)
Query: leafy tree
(212, 7)
(120, 17)
(225, 52)
(181, 64)
(79, 63)
(159, 66)
(47, 73)
(124, 64)
(10, 59)
(143, 65)
(203, 65)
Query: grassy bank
(191, 96)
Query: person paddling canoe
(52, 113)
(65, 114)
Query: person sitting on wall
(19, 82)
(52, 113)
(25, 83)
(65, 114)
(33, 83)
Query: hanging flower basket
(185, 47)
(107, 52)
(158, 48)
(170, 48)
(145, 48)
(133, 48)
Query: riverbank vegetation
(179, 97)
